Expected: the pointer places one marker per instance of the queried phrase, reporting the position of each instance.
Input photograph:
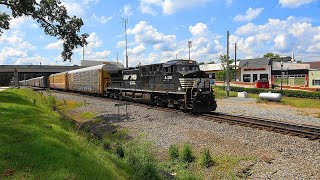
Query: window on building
(212, 75)
(254, 77)
(316, 82)
(246, 78)
(264, 76)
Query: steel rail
(305, 131)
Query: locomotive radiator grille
(189, 82)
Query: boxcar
(90, 80)
(58, 81)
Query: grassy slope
(36, 143)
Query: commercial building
(314, 74)
(213, 69)
(275, 70)
(255, 69)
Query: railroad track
(303, 131)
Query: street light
(281, 76)
(189, 45)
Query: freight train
(177, 83)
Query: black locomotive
(177, 83)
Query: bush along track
(288, 93)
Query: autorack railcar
(58, 81)
(90, 80)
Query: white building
(255, 69)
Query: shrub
(141, 158)
(119, 150)
(186, 154)
(205, 159)
(173, 152)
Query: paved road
(3, 88)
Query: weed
(205, 159)
(186, 154)
(52, 102)
(173, 152)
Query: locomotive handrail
(151, 87)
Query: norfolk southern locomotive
(177, 83)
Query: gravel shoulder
(277, 156)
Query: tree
(52, 17)
(201, 63)
(221, 76)
(211, 62)
(271, 55)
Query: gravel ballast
(278, 156)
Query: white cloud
(152, 46)
(102, 19)
(127, 10)
(121, 44)
(78, 7)
(170, 6)
(294, 3)
(56, 45)
(9, 52)
(34, 60)
(146, 34)
(24, 21)
(228, 3)
(250, 15)
(279, 36)
(146, 9)
(199, 28)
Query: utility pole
(227, 73)
(125, 21)
(235, 61)
(189, 45)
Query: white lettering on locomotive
(129, 77)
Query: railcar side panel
(59, 81)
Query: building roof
(211, 67)
(255, 62)
(314, 65)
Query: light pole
(189, 45)
(281, 63)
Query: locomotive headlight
(200, 90)
(179, 88)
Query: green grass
(87, 115)
(220, 94)
(228, 167)
(301, 102)
(35, 143)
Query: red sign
(255, 69)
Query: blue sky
(158, 30)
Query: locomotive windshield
(188, 68)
